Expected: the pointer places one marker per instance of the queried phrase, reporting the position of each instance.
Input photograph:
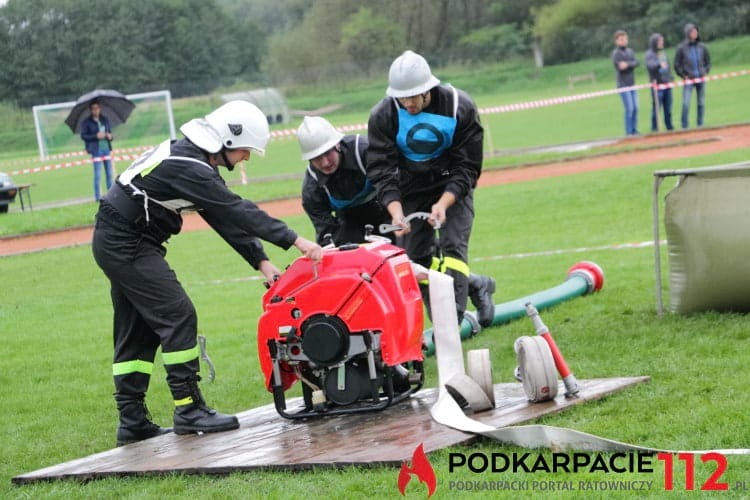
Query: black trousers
(452, 248)
(151, 308)
(353, 221)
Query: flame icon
(421, 467)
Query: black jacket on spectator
(654, 58)
(692, 60)
(625, 77)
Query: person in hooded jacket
(659, 72)
(692, 60)
(425, 155)
(136, 217)
(625, 62)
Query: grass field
(591, 119)
(57, 388)
(56, 380)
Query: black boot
(481, 289)
(191, 414)
(135, 420)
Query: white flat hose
(537, 368)
(450, 365)
(479, 369)
(449, 355)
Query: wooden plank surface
(265, 440)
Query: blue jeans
(665, 103)
(630, 101)
(687, 94)
(98, 172)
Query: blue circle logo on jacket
(424, 136)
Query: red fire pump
(349, 328)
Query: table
(24, 188)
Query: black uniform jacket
(239, 221)
(455, 171)
(345, 184)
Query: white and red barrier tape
(286, 133)
(292, 132)
(58, 166)
(579, 97)
(73, 154)
(722, 76)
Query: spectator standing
(692, 60)
(96, 133)
(659, 73)
(625, 62)
(425, 155)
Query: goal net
(150, 123)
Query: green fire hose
(582, 279)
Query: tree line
(52, 50)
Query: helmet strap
(427, 98)
(227, 163)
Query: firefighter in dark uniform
(336, 195)
(340, 201)
(425, 154)
(151, 309)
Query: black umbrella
(115, 106)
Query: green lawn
(56, 315)
(57, 385)
(591, 119)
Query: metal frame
(379, 399)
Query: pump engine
(348, 328)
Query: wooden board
(267, 441)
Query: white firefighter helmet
(316, 135)
(410, 75)
(234, 125)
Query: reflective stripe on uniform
(135, 366)
(145, 164)
(172, 358)
(183, 401)
(450, 263)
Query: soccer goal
(150, 123)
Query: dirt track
(691, 143)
